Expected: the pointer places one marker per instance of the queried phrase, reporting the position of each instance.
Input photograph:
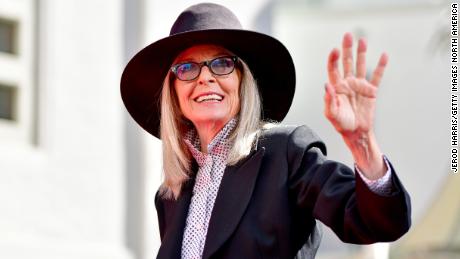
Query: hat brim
(267, 58)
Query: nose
(205, 76)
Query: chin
(212, 118)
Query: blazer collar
(233, 197)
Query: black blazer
(267, 204)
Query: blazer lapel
(232, 199)
(171, 244)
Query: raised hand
(350, 103)
(350, 98)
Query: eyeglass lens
(217, 66)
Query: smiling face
(208, 99)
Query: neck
(206, 132)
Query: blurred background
(78, 176)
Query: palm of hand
(350, 99)
(354, 110)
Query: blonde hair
(173, 126)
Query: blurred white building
(78, 176)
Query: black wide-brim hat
(267, 58)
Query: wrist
(366, 153)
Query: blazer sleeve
(339, 198)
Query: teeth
(209, 97)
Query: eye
(187, 71)
(222, 66)
(185, 68)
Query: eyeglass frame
(205, 63)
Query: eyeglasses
(191, 70)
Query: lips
(209, 97)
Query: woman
(237, 186)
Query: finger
(347, 57)
(361, 59)
(333, 67)
(331, 102)
(378, 72)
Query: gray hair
(173, 126)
